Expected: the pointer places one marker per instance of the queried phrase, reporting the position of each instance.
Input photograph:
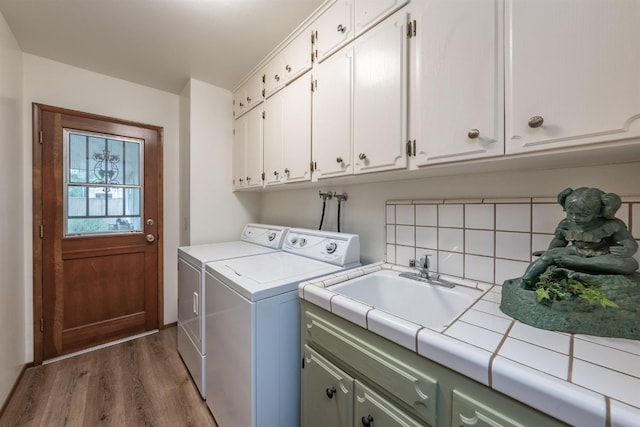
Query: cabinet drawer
(417, 391)
(374, 410)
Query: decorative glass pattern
(103, 183)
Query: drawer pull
(330, 392)
(366, 421)
(535, 122)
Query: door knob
(330, 392)
(150, 238)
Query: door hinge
(263, 176)
(42, 324)
(264, 78)
(302, 362)
(264, 115)
(264, 92)
(414, 148)
(40, 137)
(409, 148)
(42, 231)
(412, 28)
(313, 166)
(314, 85)
(313, 37)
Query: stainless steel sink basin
(420, 302)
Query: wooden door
(97, 216)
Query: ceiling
(157, 43)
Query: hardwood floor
(142, 382)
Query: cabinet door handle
(330, 392)
(286, 171)
(288, 68)
(338, 159)
(341, 28)
(473, 133)
(277, 77)
(536, 122)
(362, 156)
(366, 421)
(275, 173)
(248, 99)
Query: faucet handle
(424, 261)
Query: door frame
(37, 214)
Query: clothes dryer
(255, 239)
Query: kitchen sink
(418, 301)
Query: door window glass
(102, 183)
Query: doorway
(97, 215)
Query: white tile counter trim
(579, 379)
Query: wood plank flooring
(142, 382)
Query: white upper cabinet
(287, 134)
(331, 132)
(572, 73)
(370, 12)
(239, 154)
(296, 156)
(297, 56)
(456, 87)
(253, 134)
(273, 137)
(248, 96)
(380, 96)
(333, 29)
(274, 75)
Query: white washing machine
(255, 239)
(253, 327)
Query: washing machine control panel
(335, 248)
(271, 236)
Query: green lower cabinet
(373, 410)
(327, 393)
(468, 412)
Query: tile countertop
(582, 380)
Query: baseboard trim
(15, 386)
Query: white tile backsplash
(513, 217)
(405, 214)
(480, 216)
(427, 215)
(485, 240)
(451, 215)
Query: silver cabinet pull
(248, 99)
(338, 159)
(288, 68)
(362, 156)
(536, 122)
(473, 133)
(341, 28)
(286, 171)
(277, 77)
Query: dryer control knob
(303, 241)
(294, 240)
(271, 236)
(331, 247)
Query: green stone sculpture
(587, 280)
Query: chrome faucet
(423, 265)
(423, 274)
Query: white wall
(363, 212)
(214, 213)
(60, 85)
(12, 293)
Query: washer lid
(267, 275)
(199, 255)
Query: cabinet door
(333, 29)
(371, 409)
(254, 148)
(248, 96)
(296, 151)
(572, 72)
(274, 78)
(297, 56)
(239, 153)
(273, 137)
(369, 12)
(327, 393)
(458, 113)
(380, 96)
(331, 131)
